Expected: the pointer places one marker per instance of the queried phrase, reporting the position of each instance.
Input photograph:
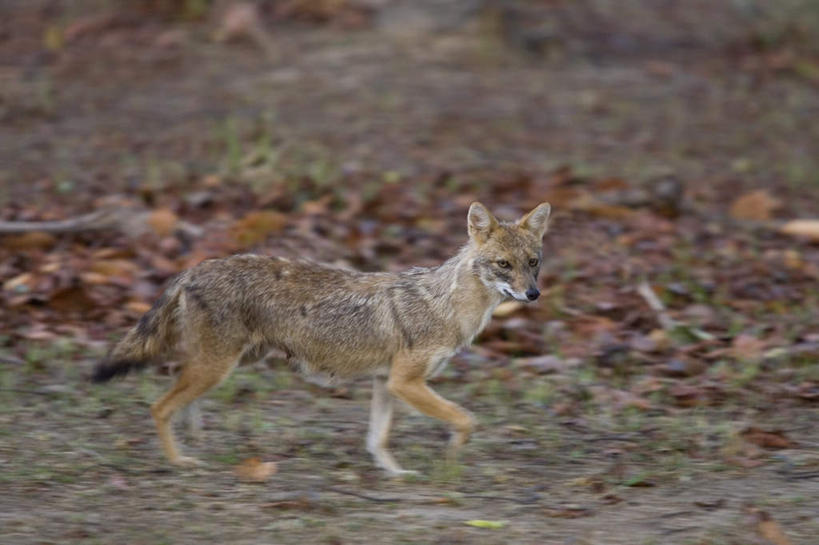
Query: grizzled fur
(335, 323)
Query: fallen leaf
(747, 348)
(138, 307)
(687, 396)
(295, 502)
(113, 267)
(256, 226)
(768, 528)
(71, 299)
(710, 505)
(679, 367)
(755, 206)
(163, 221)
(743, 462)
(35, 240)
(774, 439)
(568, 512)
(238, 21)
(640, 480)
(20, 283)
(492, 524)
(802, 228)
(541, 364)
(793, 259)
(253, 470)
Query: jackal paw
(187, 461)
(398, 473)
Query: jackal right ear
(480, 222)
(537, 221)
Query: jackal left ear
(537, 221)
(480, 222)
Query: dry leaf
(747, 348)
(253, 470)
(113, 267)
(21, 282)
(802, 228)
(768, 528)
(138, 307)
(72, 299)
(568, 512)
(256, 226)
(163, 221)
(35, 240)
(756, 206)
(767, 439)
(490, 524)
(93, 278)
(238, 21)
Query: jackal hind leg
(381, 411)
(196, 378)
(192, 415)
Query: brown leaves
(767, 527)
(256, 226)
(774, 439)
(162, 221)
(35, 240)
(569, 511)
(253, 470)
(808, 229)
(747, 348)
(757, 205)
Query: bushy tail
(154, 335)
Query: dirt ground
(392, 117)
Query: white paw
(187, 461)
(398, 472)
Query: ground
(672, 141)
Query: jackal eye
(534, 262)
(503, 264)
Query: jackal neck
(464, 298)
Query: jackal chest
(472, 325)
(438, 361)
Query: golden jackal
(336, 323)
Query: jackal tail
(153, 336)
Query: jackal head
(507, 256)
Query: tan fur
(336, 324)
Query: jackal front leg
(380, 421)
(408, 382)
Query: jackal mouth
(510, 295)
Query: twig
(33, 392)
(131, 221)
(13, 360)
(793, 350)
(534, 498)
(645, 291)
(101, 219)
(362, 496)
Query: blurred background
(662, 390)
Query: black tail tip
(108, 369)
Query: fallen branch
(645, 291)
(129, 220)
(99, 220)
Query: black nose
(532, 294)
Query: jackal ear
(537, 221)
(480, 222)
